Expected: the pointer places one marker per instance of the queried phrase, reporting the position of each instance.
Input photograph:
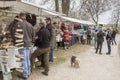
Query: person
(12, 28)
(62, 26)
(84, 37)
(109, 39)
(113, 37)
(88, 36)
(49, 25)
(28, 38)
(43, 48)
(16, 31)
(81, 35)
(66, 38)
(51, 29)
(58, 36)
(100, 40)
(95, 39)
(53, 42)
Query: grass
(61, 56)
(60, 59)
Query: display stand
(5, 67)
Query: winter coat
(29, 33)
(66, 35)
(108, 37)
(43, 40)
(100, 36)
(53, 38)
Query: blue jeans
(113, 41)
(109, 46)
(26, 61)
(51, 56)
(95, 43)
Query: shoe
(22, 77)
(50, 62)
(41, 67)
(46, 74)
(100, 53)
(107, 53)
(54, 57)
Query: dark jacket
(113, 34)
(100, 36)
(108, 37)
(43, 38)
(12, 28)
(88, 34)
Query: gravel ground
(92, 67)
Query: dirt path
(92, 67)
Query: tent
(77, 20)
(25, 6)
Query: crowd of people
(110, 36)
(46, 37)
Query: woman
(66, 38)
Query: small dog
(75, 62)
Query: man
(109, 39)
(51, 29)
(100, 39)
(113, 37)
(53, 42)
(28, 37)
(49, 25)
(88, 36)
(43, 48)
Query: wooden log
(19, 56)
(19, 70)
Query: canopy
(25, 6)
(77, 20)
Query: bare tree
(65, 6)
(57, 5)
(116, 13)
(95, 7)
(43, 2)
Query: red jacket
(66, 34)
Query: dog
(75, 62)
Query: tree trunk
(65, 6)
(97, 16)
(57, 5)
(117, 22)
